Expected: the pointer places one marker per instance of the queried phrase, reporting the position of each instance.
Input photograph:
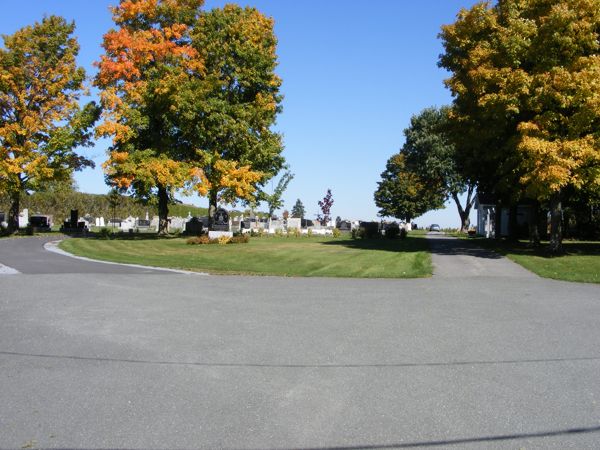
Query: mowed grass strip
(580, 262)
(286, 256)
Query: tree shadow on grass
(407, 245)
(571, 248)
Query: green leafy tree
(424, 174)
(274, 200)
(298, 210)
(524, 74)
(41, 121)
(401, 193)
(233, 105)
(431, 155)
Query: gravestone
(220, 220)
(294, 223)
(74, 218)
(193, 226)
(305, 223)
(40, 221)
(24, 218)
(220, 226)
(344, 225)
(177, 223)
(73, 225)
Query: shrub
(199, 240)
(392, 231)
(222, 240)
(279, 232)
(309, 233)
(104, 233)
(336, 233)
(240, 239)
(403, 233)
(297, 232)
(369, 230)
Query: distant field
(286, 256)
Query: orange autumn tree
(41, 121)
(147, 58)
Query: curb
(5, 270)
(52, 246)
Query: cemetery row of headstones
(223, 223)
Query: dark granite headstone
(221, 220)
(193, 226)
(39, 221)
(305, 223)
(74, 218)
(143, 223)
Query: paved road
(27, 255)
(114, 360)
(459, 258)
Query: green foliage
(104, 233)
(298, 210)
(274, 200)
(58, 201)
(234, 104)
(402, 194)
(424, 174)
(336, 233)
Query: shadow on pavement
(451, 246)
(503, 437)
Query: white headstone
(24, 218)
(294, 223)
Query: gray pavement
(459, 258)
(114, 360)
(27, 255)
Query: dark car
(434, 227)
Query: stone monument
(220, 225)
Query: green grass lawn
(288, 256)
(581, 261)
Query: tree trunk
(212, 208)
(163, 210)
(464, 213)
(13, 213)
(556, 232)
(513, 232)
(534, 231)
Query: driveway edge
(52, 246)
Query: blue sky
(353, 74)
